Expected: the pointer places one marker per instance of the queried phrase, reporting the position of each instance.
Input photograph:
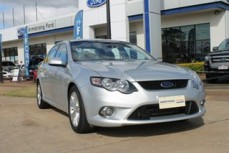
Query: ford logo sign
(167, 84)
(95, 3)
(20, 31)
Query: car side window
(51, 54)
(62, 53)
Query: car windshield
(224, 46)
(88, 50)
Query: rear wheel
(40, 102)
(76, 111)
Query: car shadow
(221, 80)
(146, 130)
(152, 129)
(59, 111)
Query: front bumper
(125, 105)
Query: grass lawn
(29, 92)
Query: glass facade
(185, 44)
(10, 54)
(38, 50)
(133, 37)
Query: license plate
(222, 67)
(171, 102)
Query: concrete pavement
(26, 129)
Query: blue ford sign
(95, 3)
(24, 31)
(21, 31)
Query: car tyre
(40, 102)
(76, 111)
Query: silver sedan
(112, 83)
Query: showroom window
(38, 50)
(133, 37)
(10, 54)
(186, 44)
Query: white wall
(119, 20)
(187, 19)
(135, 7)
(92, 17)
(138, 28)
(97, 16)
(227, 23)
(170, 4)
(9, 34)
(218, 27)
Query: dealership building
(175, 31)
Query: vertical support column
(152, 27)
(227, 23)
(119, 20)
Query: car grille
(147, 112)
(156, 85)
(220, 58)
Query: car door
(61, 78)
(47, 72)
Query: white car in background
(6, 75)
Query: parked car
(109, 83)
(6, 75)
(33, 64)
(8, 65)
(217, 62)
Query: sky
(46, 9)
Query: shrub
(198, 66)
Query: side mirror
(215, 48)
(57, 62)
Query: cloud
(46, 9)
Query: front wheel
(76, 111)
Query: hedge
(198, 66)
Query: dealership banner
(78, 26)
(26, 49)
(1, 75)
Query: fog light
(202, 102)
(106, 111)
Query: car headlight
(196, 81)
(207, 58)
(112, 84)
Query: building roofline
(199, 7)
(186, 9)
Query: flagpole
(24, 12)
(13, 17)
(3, 20)
(36, 11)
